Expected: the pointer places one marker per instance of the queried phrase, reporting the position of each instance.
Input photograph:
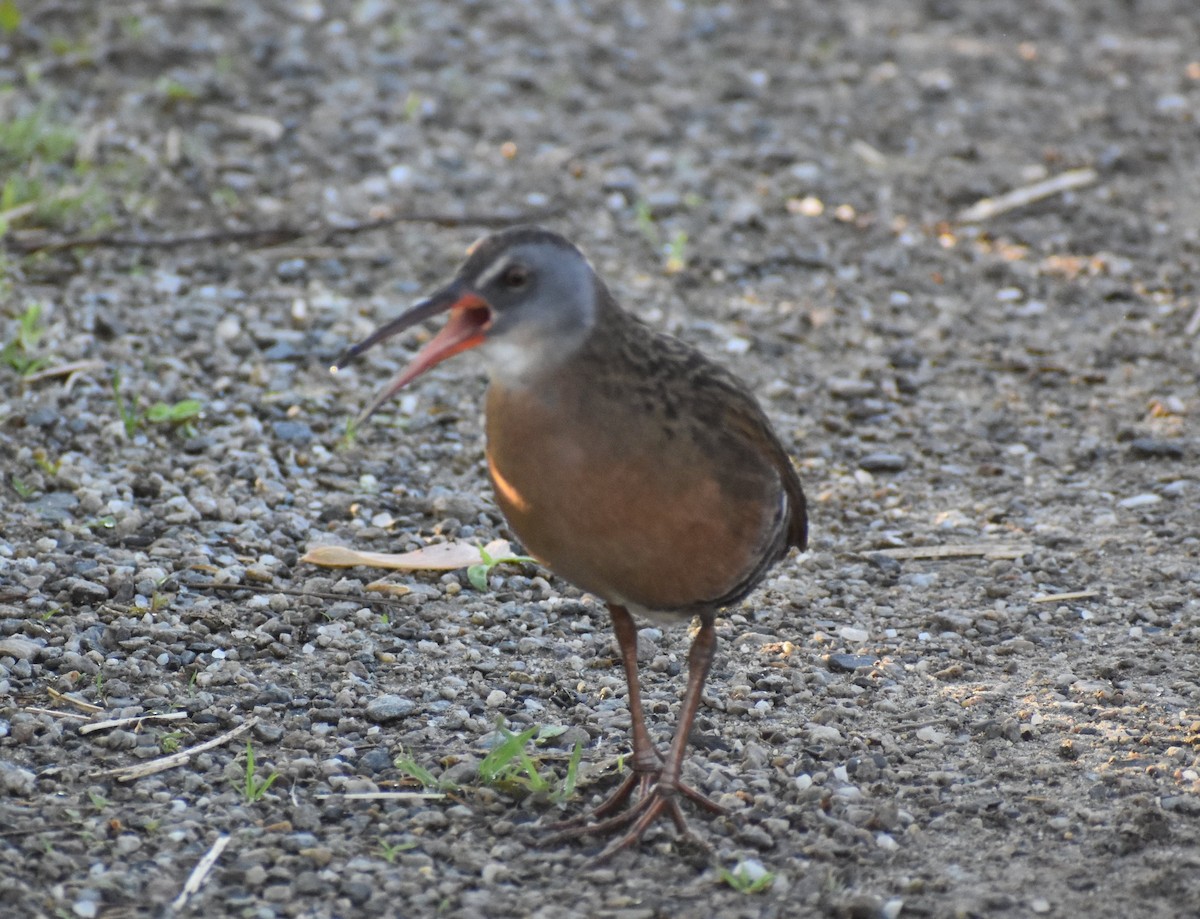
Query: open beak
(470, 319)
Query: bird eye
(515, 276)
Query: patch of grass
(748, 877)
(10, 16)
(180, 414)
(414, 770)
(174, 91)
(47, 465)
(37, 162)
(644, 220)
(252, 787)
(412, 106)
(389, 851)
(510, 766)
(126, 411)
(478, 574)
(676, 253)
(349, 435)
(20, 351)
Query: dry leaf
(446, 556)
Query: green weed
(748, 877)
(509, 765)
(19, 352)
(478, 574)
(414, 770)
(252, 787)
(180, 414)
(10, 16)
(389, 852)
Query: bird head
(526, 297)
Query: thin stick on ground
(136, 719)
(968, 550)
(129, 773)
(987, 208)
(196, 879)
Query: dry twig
(136, 719)
(968, 550)
(162, 764)
(987, 208)
(196, 879)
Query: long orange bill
(470, 319)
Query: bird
(626, 461)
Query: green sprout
(10, 16)
(180, 414)
(509, 765)
(676, 253)
(414, 770)
(18, 353)
(478, 574)
(252, 787)
(128, 412)
(748, 877)
(390, 851)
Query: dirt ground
(1008, 728)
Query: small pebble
(883, 462)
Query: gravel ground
(1010, 729)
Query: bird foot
(654, 797)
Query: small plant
(676, 253)
(180, 414)
(98, 800)
(127, 411)
(10, 16)
(36, 161)
(644, 218)
(748, 877)
(160, 601)
(171, 742)
(414, 770)
(478, 574)
(510, 765)
(22, 488)
(174, 91)
(48, 466)
(253, 788)
(18, 353)
(349, 435)
(389, 851)
(412, 106)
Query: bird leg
(657, 786)
(646, 758)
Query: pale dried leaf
(446, 556)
